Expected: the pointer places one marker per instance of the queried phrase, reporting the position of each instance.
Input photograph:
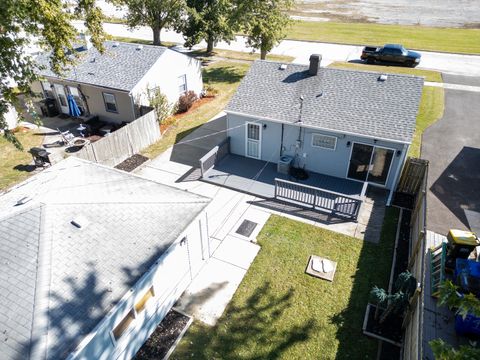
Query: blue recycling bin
(468, 326)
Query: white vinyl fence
(123, 143)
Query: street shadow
(254, 321)
(458, 186)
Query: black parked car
(392, 54)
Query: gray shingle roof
(338, 100)
(119, 67)
(83, 272)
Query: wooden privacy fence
(413, 323)
(123, 143)
(318, 198)
(211, 158)
(413, 174)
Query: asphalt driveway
(452, 145)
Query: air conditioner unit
(283, 166)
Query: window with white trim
(324, 141)
(123, 325)
(142, 302)
(47, 90)
(182, 84)
(110, 102)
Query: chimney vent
(383, 77)
(87, 40)
(315, 60)
(139, 47)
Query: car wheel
(370, 60)
(410, 64)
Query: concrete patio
(232, 253)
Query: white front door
(61, 97)
(254, 140)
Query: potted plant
(383, 319)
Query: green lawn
(279, 312)
(414, 37)
(10, 158)
(433, 76)
(431, 110)
(241, 55)
(225, 76)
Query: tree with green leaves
(265, 22)
(159, 101)
(398, 302)
(156, 14)
(26, 23)
(209, 20)
(463, 305)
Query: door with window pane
(62, 98)
(370, 163)
(253, 141)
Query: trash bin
(460, 245)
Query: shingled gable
(58, 281)
(120, 67)
(348, 101)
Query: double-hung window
(324, 141)
(182, 84)
(110, 102)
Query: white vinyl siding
(324, 141)
(182, 84)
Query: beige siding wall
(95, 101)
(165, 73)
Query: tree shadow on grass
(250, 330)
(224, 74)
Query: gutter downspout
(397, 173)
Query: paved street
(452, 145)
(466, 65)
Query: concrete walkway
(468, 65)
(232, 253)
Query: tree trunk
(210, 44)
(263, 51)
(156, 35)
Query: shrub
(160, 103)
(209, 91)
(186, 101)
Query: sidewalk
(468, 65)
(231, 253)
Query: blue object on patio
(73, 109)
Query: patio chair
(67, 137)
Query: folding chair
(67, 137)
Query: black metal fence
(318, 198)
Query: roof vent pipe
(315, 60)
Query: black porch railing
(213, 156)
(318, 198)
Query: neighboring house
(91, 260)
(11, 117)
(348, 124)
(111, 84)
